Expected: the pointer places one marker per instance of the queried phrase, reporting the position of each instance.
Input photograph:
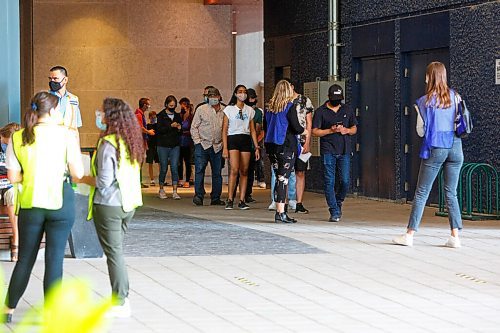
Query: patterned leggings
(282, 164)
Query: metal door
(415, 64)
(374, 101)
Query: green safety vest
(128, 177)
(43, 166)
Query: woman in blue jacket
(282, 127)
(440, 147)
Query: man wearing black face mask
(69, 104)
(335, 122)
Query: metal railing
(477, 192)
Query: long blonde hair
(436, 85)
(283, 94)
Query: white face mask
(241, 97)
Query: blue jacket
(439, 125)
(277, 125)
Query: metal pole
(333, 42)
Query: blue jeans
(166, 154)
(292, 190)
(333, 163)
(201, 159)
(451, 160)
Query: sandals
(13, 251)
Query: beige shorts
(8, 196)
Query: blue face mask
(213, 101)
(4, 147)
(98, 121)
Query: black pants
(250, 178)
(33, 223)
(185, 157)
(282, 164)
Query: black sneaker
(243, 206)
(197, 200)
(217, 202)
(229, 204)
(300, 209)
(250, 199)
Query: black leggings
(185, 157)
(282, 164)
(33, 223)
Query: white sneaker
(176, 196)
(453, 242)
(152, 182)
(262, 184)
(272, 206)
(404, 239)
(292, 204)
(120, 311)
(162, 194)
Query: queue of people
(43, 158)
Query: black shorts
(301, 165)
(152, 156)
(241, 142)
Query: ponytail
(41, 104)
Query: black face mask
(252, 103)
(171, 110)
(55, 86)
(335, 102)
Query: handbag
(463, 118)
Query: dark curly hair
(121, 121)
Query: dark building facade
(386, 46)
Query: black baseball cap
(335, 92)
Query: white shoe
(292, 204)
(175, 196)
(404, 239)
(120, 311)
(152, 182)
(453, 242)
(162, 194)
(262, 184)
(272, 206)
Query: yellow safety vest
(43, 166)
(128, 177)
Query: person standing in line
(144, 106)
(167, 144)
(116, 191)
(238, 132)
(335, 123)
(37, 159)
(7, 190)
(304, 112)
(186, 144)
(252, 102)
(206, 132)
(152, 153)
(69, 105)
(436, 112)
(282, 127)
(184, 103)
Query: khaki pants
(111, 223)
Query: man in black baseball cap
(335, 122)
(335, 93)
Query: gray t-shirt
(107, 190)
